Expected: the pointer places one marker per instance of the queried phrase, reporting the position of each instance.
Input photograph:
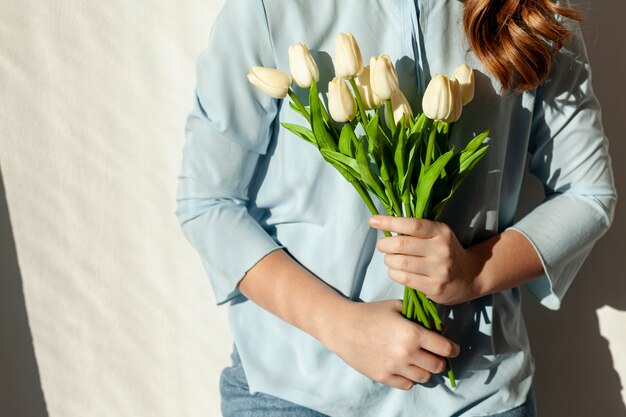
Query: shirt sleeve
(227, 132)
(569, 155)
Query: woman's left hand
(429, 258)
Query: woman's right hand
(376, 340)
(373, 338)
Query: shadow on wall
(20, 387)
(575, 373)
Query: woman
(288, 243)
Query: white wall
(94, 98)
(104, 307)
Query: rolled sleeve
(569, 155)
(227, 132)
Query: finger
(398, 381)
(405, 225)
(413, 264)
(417, 374)
(406, 245)
(429, 362)
(418, 282)
(439, 345)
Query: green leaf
(460, 171)
(427, 181)
(324, 139)
(298, 130)
(345, 171)
(419, 124)
(406, 180)
(367, 173)
(371, 130)
(384, 170)
(470, 162)
(345, 140)
(338, 158)
(473, 145)
(299, 110)
(400, 155)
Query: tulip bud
(347, 60)
(363, 82)
(341, 102)
(465, 76)
(383, 77)
(271, 81)
(302, 65)
(442, 99)
(401, 107)
(457, 107)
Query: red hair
(516, 40)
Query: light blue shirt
(248, 187)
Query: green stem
(303, 111)
(392, 123)
(450, 373)
(407, 206)
(359, 103)
(405, 301)
(446, 135)
(328, 122)
(368, 200)
(397, 208)
(410, 309)
(431, 145)
(419, 310)
(431, 309)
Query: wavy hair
(517, 40)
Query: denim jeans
(238, 402)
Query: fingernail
(374, 221)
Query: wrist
(331, 319)
(479, 279)
(502, 262)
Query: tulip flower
(302, 65)
(271, 81)
(400, 106)
(455, 92)
(383, 77)
(442, 99)
(347, 58)
(363, 82)
(465, 76)
(341, 102)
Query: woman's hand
(429, 258)
(376, 340)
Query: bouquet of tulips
(405, 161)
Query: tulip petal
(271, 81)
(341, 103)
(303, 67)
(347, 57)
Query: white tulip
(383, 77)
(302, 65)
(401, 107)
(363, 82)
(442, 99)
(271, 81)
(457, 107)
(341, 103)
(465, 76)
(347, 58)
